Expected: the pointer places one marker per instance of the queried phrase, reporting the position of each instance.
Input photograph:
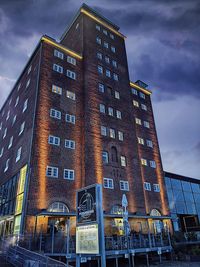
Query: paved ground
(173, 264)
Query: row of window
(135, 92)
(55, 140)
(156, 187)
(98, 27)
(69, 73)
(17, 158)
(152, 163)
(53, 172)
(111, 112)
(136, 104)
(107, 59)
(145, 123)
(102, 88)
(58, 90)
(105, 44)
(107, 73)
(141, 141)
(60, 55)
(22, 126)
(105, 158)
(112, 133)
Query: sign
(87, 241)
(83, 259)
(124, 201)
(86, 201)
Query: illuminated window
(56, 89)
(107, 60)
(105, 157)
(10, 142)
(108, 183)
(52, 172)
(17, 101)
(140, 141)
(105, 32)
(71, 74)
(57, 68)
(152, 164)
(149, 143)
(100, 69)
(25, 105)
(113, 49)
(7, 165)
(102, 108)
(8, 115)
(58, 54)
(147, 186)
(112, 133)
(134, 91)
(54, 140)
(146, 124)
(144, 107)
(156, 187)
(21, 128)
(5, 133)
(135, 103)
(108, 73)
(29, 70)
(120, 136)
(118, 114)
(144, 162)
(123, 161)
(1, 153)
(117, 95)
(105, 44)
(14, 119)
(112, 36)
(70, 144)
(99, 55)
(101, 88)
(103, 130)
(138, 121)
(71, 60)
(110, 111)
(58, 207)
(55, 114)
(98, 40)
(71, 95)
(70, 118)
(142, 95)
(18, 156)
(114, 63)
(68, 174)
(28, 83)
(115, 77)
(98, 27)
(124, 185)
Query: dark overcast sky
(163, 48)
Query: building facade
(74, 119)
(184, 202)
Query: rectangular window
(108, 73)
(7, 165)
(134, 91)
(105, 157)
(115, 77)
(124, 185)
(114, 63)
(25, 105)
(156, 187)
(99, 55)
(22, 128)
(98, 40)
(98, 28)
(29, 69)
(147, 186)
(100, 69)
(57, 68)
(117, 96)
(123, 161)
(17, 101)
(10, 142)
(146, 124)
(1, 153)
(103, 130)
(102, 108)
(54, 140)
(52, 172)
(56, 89)
(58, 54)
(28, 83)
(118, 114)
(144, 162)
(5, 133)
(14, 119)
(149, 143)
(113, 49)
(71, 60)
(142, 95)
(152, 164)
(101, 88)
(70, 118)
(105, 44)
(71, 95)
(144, 107)
(140, 141)
(135, 104)
(70, 144)
(112, 133)
(55, 114)
(105, 32)
(110, 111)
(138, 121)
(111, 36)
(71, 74)
(18, 156)
(19, 86)
(107, 60)
(1, 125)
(120, 136)
(108, 183)
(8, 115)
(68, 174)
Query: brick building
(73, 119)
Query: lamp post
(125, 221)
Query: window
(156, 187)
(18, 156)
(144, 162)
(103, 130)
(108, 73)
(102, 108)
(144, 107)
(105, 157)
(115, 77)
(105, 32)
(10, 101)
(111, 36)
(56, 89)
(113, 49)
(21, 128)
(8, 115)
(71, 74)
(146, 124)
(98, 40)
(54, 140)
(1, 125)
(110, 90)
(19, 86)
(5, 133)
(117, 96)
(28, 83)
(138, 121)
(55, 114)
(58, 54)
(112, 133)
(58, 207)
(100, 69)
(142, 95)
(123, 161)
(7, 165)
(124, 185)
(114, 63)
(70, 144)
(107, 59)
(110, 111)
(10, 142)
(114, 155)
(147, 186)
(1, 153)
(57, 68)
(140, 141)
(101, 88)
(98, 28)
(25, 105)
(118, 114)
(14, 119)
(70, 118)
(99, 55)
(68, 174)
(135, 103)
(29, 69)
(120, 136)
(71, 60)
(17, 101)
(152, 164)
(108, 183)
(105, 44)
(134, 91)
(149, 143)
(52, 172)
(71, 95)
